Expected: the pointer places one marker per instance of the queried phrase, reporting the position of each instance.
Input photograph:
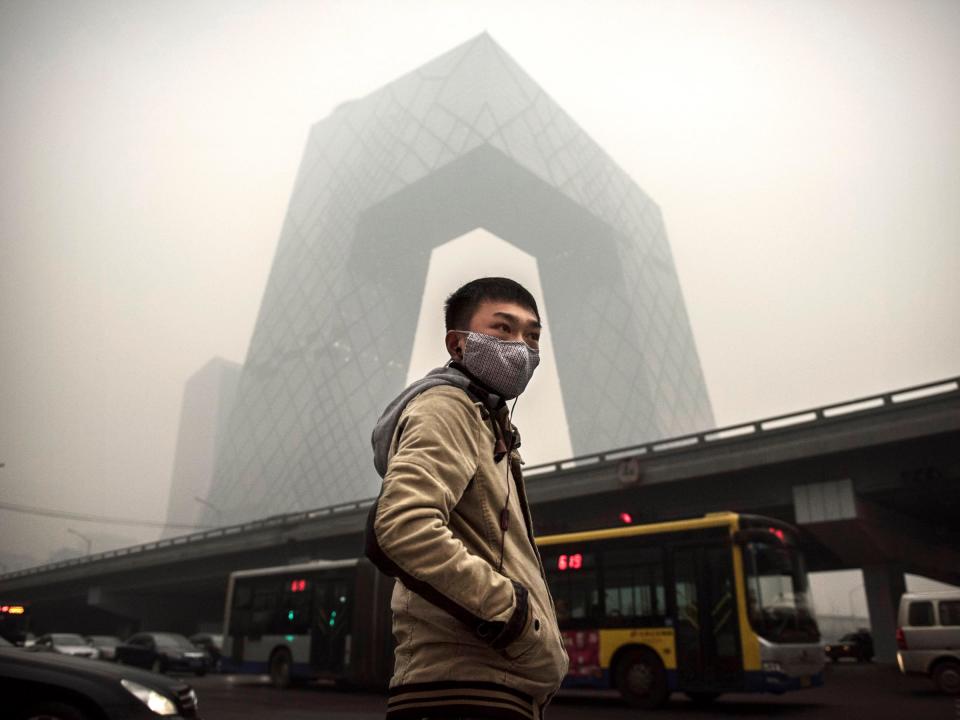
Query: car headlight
(770, 666)
(159, 703)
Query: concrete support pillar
(884, 585)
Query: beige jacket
(470, 639)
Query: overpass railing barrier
(826, 413)
(192, 538)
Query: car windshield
(207, 639)
(104, 640)
(64, 639)
(777, 594)
(169, 640)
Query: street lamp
(83, 537)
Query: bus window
(723, 613)
(573, 583)
(777, 594)
(633, 590)
(294, 612)
(331, 625)
(263, 608)
(687, 623)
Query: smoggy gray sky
(805, 154)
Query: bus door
(708, 650)
(330, 628)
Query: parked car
(65, 644)
(60, 687)
(928, 637)
(212, 643)
(105, 645)
(163, 652)
(857, 645)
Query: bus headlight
(772, 666)
(159, 703)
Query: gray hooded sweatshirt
(447, 375)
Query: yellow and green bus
(702, 606)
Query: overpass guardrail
(826, 413)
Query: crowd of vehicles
(703, 606)
(159, 652)
(57, 686)
(163, 652)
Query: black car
(213, 644)
(858, 645)
(61, 687)
(105, 645)
(163, 652)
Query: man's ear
(454, 342)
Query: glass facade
(467, 141)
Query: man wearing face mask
(474, 622)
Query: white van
(928, 637)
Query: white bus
(325, 619)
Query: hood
(452, 374)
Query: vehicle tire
(157, 666)
(280, 668)
(947, 677)
(702, 698)
(54, 711)
(200, 673)
(642, 679)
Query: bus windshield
(778, 599)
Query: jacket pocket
(531, 638)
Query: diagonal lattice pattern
(468, 140)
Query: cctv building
(467, 141)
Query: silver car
(65, 644)
(928, 637)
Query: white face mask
(505, 366)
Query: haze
(805, 154)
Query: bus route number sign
(570, 562)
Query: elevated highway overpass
(873, 482)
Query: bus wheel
(641, 679)
(947, 677)
(702, 698)
(280, 666)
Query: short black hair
(462, 304)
